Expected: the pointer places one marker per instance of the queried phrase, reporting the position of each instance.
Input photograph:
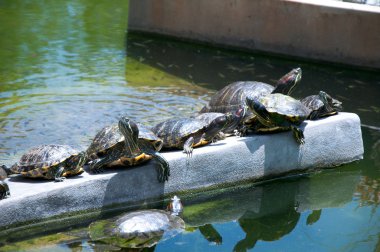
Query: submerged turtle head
(286, 83)
(74, 165)
(175, 206)
(130, 131)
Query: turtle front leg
(163, 171)
(188, 147)
(58, 174)
(4, 190)
(298, 135)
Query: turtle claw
(189, 151)
(59, 179)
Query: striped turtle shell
(174, 132)
(285, 107)
(109, 136)
(43, 157)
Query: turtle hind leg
(298, 135)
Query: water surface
(69, 68)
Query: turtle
(278, 112)
(4, 190)
(51, 161)
(187, 133)
(321, 105)
(137, 229)
(4, 171)
(233, 96)
(126, 144)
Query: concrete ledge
(323, 30)
(329, 142)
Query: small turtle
(51, 161)
(278, 112)
(321, 105)
(4, 171)
(233, 96)
(187, 133)
(4, 190)
(126, 144)
(138, 229)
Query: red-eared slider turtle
(51, 161)
(137, 229)
(4, 172)
(126, 144)
(321, 105)
(4, 190)
(187, 133)
(279, 112)
(233, 96)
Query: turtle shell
(285, 107)
(174, 132)
(110, 135)
(137, 229)
(208, 117)
(232, 97)
(43, 157)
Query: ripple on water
(73, 116)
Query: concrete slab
(329, 142)
(324, 30)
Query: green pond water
(68, 68)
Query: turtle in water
(278, 112)
(126, 144)
(233, 96)
(321, 105)
(51, 161)
(187, 133)
(139, 229)
(4, 190)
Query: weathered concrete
(324, 30)
(329, 142)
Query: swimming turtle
(52, 161)
(126, 144)
(233, 96)
(4, 190)
(277, 112)
(321, 105)
(138, 229)
(187, 133)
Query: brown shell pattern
(44, 156)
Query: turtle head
(286, 83)
(220, 123)
(74, 165)
(331, 105)
(334, 103)
(175, 206)
(130, 131)
(259, 110)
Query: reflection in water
(68, 69)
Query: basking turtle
(4, 190)
(277, 112)
(138, 229)
(187, 133)
(51, 161)
(233, 96)
(321, 105)
(4, 172)
(126, 144)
